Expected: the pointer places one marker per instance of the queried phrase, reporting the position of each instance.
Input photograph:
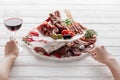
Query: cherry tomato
(64, 32)
(71, 33)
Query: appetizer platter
(60, 39)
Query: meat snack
(60, 38)
(74, 26)
(54, 27)
(77, 47)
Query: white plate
(55, 43)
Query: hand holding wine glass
(12, 21)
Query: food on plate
(90, 36)
(55, 25)
(67, 34)
(33, 33)
(40, 49)
(60, 38)
(55, 19)
(46, 29)
(73, 49)
(52, 25)
(27, 39)
(56, 36)
(74, 26)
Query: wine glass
(12, 21)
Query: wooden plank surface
(101, 15)
(76, 78)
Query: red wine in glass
(13, 24)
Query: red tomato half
(64, 32)
(71, 33)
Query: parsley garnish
(90, 33)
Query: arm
(101, 55)
(5, 67)
(115, 68)
(11, 52)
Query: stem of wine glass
(13, 34)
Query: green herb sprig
(67, 22)
(90, 33)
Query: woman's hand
(11, 48)
(11, 52)
(101, 55)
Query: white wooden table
(101, 15)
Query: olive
(59, 36)
(67, 36)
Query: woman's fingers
(93, 55)
(91, 51)
(7, 42)
(102, 47)
(12, 40)
(95, 49)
